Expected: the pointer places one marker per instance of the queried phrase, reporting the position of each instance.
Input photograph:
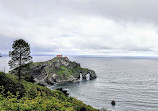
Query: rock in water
(113, 103)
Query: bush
(35, 97)
(28, 78)
(10, 85)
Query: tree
(20, 55)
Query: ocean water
(131, 82)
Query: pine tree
(20, 55)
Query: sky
(81, 27)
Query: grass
(26, 96)
(64, 73)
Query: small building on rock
(59, 56)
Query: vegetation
(20, 55)
(26, 96)
(19, 93)
(64, 73)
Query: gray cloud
(80, 26)
(142, 10)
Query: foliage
(20, 55)
(11, 84)
(64, 73)
(36, 98)
(28, 78)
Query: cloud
(80, 27)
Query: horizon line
(129, 56)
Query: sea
(131, 81)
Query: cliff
(57, 70)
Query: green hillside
(26, 96)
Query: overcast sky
(81, 27)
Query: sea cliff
(56, 70)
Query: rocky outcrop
(57, 70)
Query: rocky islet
(56, 70)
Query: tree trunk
(19, 72)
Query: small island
(57, 70)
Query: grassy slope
(64, 73)
(28, 96)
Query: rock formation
(57, 70)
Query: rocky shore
(56, 70)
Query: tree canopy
(20, 55)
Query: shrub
(35, 97)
